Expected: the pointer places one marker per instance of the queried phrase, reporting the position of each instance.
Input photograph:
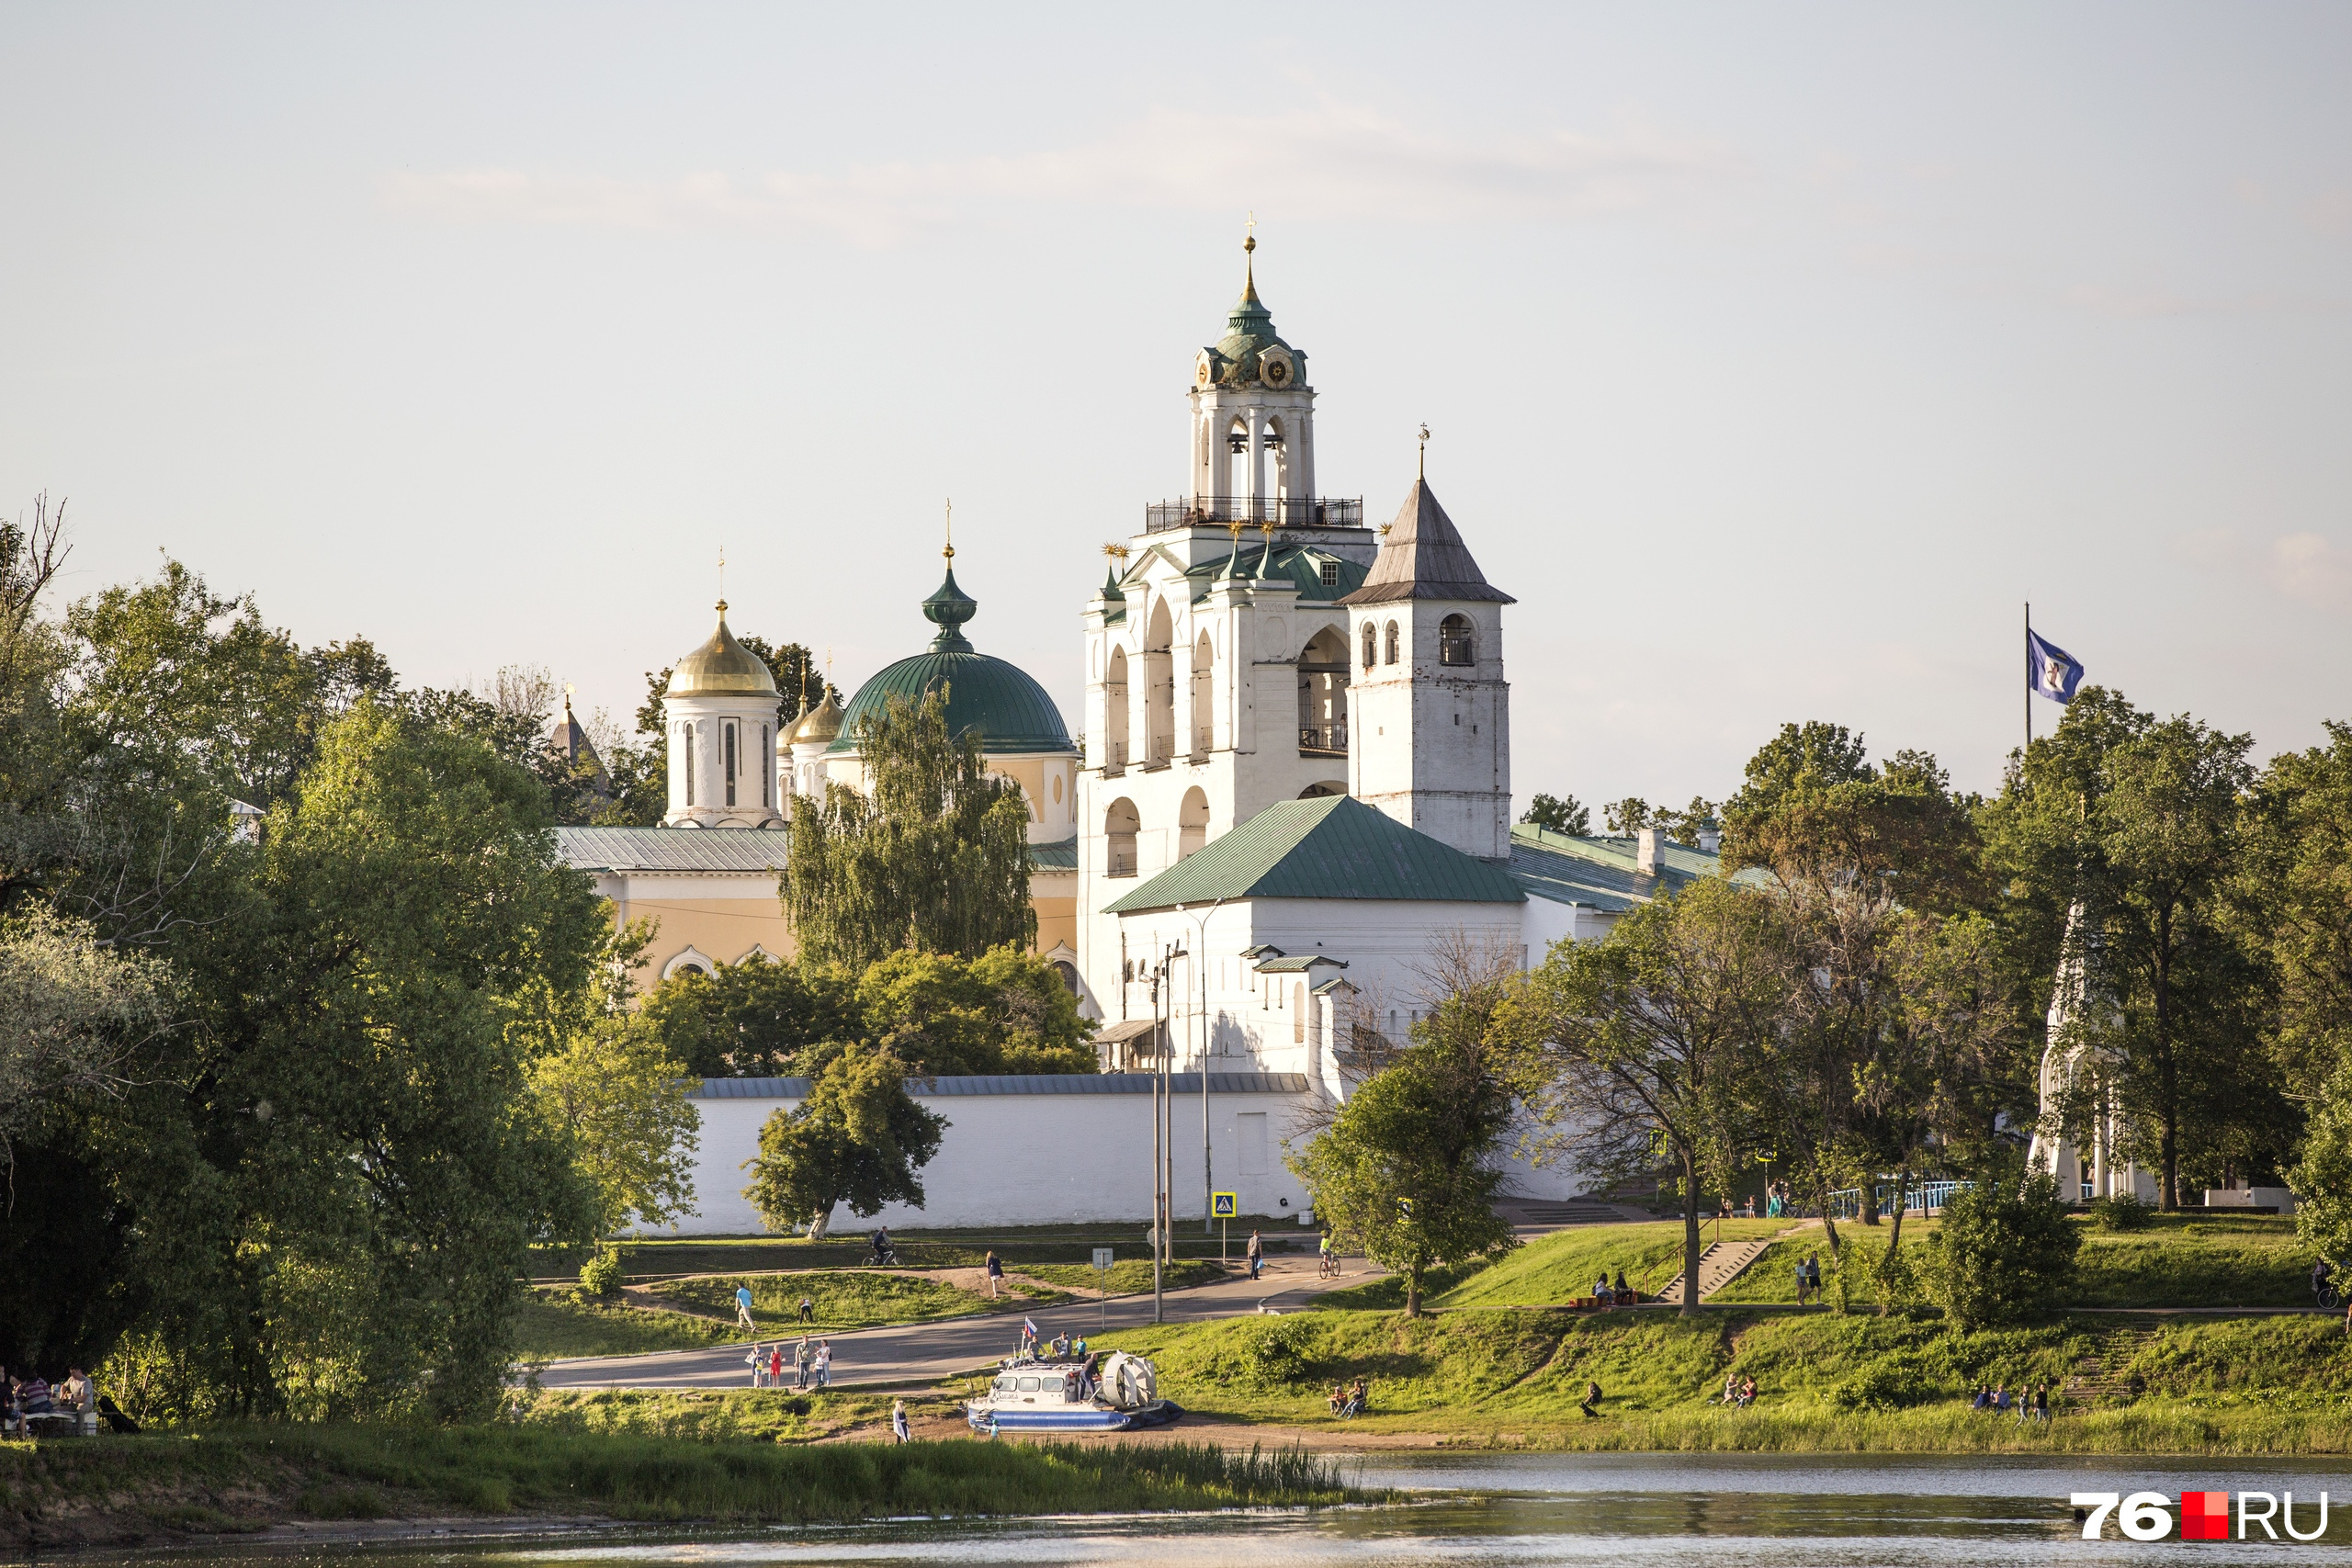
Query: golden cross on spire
(568, 689)
(722, 577)
(1250, 232)
(950, 552)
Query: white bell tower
(1430, 709)
(1253, 420)
(720, 707)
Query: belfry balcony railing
(1325, 741)
(1122, 863)
(1281, 511)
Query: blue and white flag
(2052, 672)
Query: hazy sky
(1774, 353)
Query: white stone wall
(1028, 1160)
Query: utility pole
(1158, 1189)
(1201, 974)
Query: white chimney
(1648, 846)
(1710, 840)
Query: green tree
(1005, 1011)
(2136, 823)
(1408, 1169)
(2004, 1253)
(858, 1139)
(622, 1099)
(1630, 815)
(755, 1018)
(1640, 1050)
(1558, 815)
(2296, 902)
(937, 858)
(1810, 756)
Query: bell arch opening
(1323, 694)
(1115, 714)
(1191, 821)
(1121, 824)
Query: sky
(1775, 356)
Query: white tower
(720, 706)
(1430, 709)
(1253, 421)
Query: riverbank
(237, 1480)
(1826, 1383)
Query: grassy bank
(841, 1298)
(1129, 1277)
(1825, 1382)
(242, 1478)
(554, 1323)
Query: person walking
(1256, 1253)
(744, 1308)
(994, 1268)
(899, 1421)
(1592, 1405)
(2041, 1403)
(1812, 1272)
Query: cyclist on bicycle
(1329, 1260)
(2322, 1283)
(882, 1253)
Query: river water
(1649, 1510)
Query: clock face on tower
(1204, 370)
(1274, 368)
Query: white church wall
(1013, 1158)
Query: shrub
(2004, 1253)
(601, 1275)
(1892, 1382)
(2122, 1212)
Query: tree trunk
(1895, 1234)
(2167, 1076)
(821, 1222)
(1690, 1240)
(1413, 1290)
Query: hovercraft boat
(1094, 1393)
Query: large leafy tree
(1642, 1049)
(934, 858)
(858, 1139)
(1408, 1167)
(2120, 836)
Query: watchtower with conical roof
(720, 706)
(1429, 708)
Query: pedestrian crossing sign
(1224, 1205)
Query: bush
(2122, 1212)
(1892, 1382)
(601, 1275)
(2004, 1252)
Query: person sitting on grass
(1984, 1397)
(1592, 1405)
(1338, 1396)
(1357, 1398)
(1731, 1388)
(2000, 1398)
(1747, 1392)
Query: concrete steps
(1719, 1265)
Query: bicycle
(1330, 1267)
(882, 1258)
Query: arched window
(1113, 757)
(1454, 643)
(1120, 825)
(1069, 974)
(1191, 821)
(1298, 1014)
(1203, 695)
(686, 752)
(727, 744)
(1323, 694)
(1392, 642)
(1371, 644)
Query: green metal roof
(1012, 712)
(1333, 848)
(1599, 872)
(1061, 856)
(1299, 965)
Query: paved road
(919, 1352)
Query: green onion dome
(1012, 712)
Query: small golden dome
(721, 667)
(821, 724)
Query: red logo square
(2204, 1516)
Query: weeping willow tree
(937, 858)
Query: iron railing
(1919, 1198)
(1331, 738)
(1123, 863)
(1281, 511)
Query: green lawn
(844, 1298)
(1829, 1382)
(1566, 1263)
(2194, 1260)
(1130, 1275)
(1021, 1245)
(552, 1324)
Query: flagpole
(2029, 674)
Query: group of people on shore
(811, 1365)
(2026, 1404)
(35, 1395)
(1348, 1399)
(1739, 1392)
(1617, 1295)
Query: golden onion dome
(721, 667)
(821, 724)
